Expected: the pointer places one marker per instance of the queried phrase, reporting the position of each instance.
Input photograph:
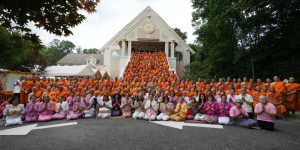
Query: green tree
(20, 55)
(91, 51)
(57, 49)
(56, 17)
(235, 33)
(183, 35)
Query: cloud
(113, 15)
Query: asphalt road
(143, 135)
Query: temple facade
(146, 32)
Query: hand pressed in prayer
(241, 112)
(32, 108)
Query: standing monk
(278, 85)
(27, 86)
(292, 98)
(276, 99)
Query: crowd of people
(150, 91)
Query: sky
(113, 15)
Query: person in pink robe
(62, 109)
(71, 100)
(85, 99)
(46, 108)
(78, 107)
(32, 110)
(3, 105)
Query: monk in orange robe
(51, 94)
(278, 85)
(228, 83)
(256, 96)
(292, 98)
(261, 84)
(213, 83)
(252, 83)
(178, 92)
(61, 92)
(276, 99)
(245, 83)
(27, 86)
(249, 90)
(189, 92)
(34, 93)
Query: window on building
(178, 56)
(115, 55)
(91, 61)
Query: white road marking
(179, 125)
(26, 129)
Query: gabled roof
(137, 20)
(80, 59)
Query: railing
(170, 69)
(123, 69)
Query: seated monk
(245, 83)
(189, 92)
(249, 90)
(256, 95)
(252, 83)
(261, 84)
(34, 93)
(178, 91)
(228, 83)
(213, 83)
(276, 99)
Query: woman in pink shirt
(240, 116)
(266, 113)
(211, 110)
(45, 109)
(126, 105)
(224, 107)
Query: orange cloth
(101, 93)
(292, 101)
(26, 85)
(63, 94)
(190, 94)
(227, 85)
(178, 93)
(279, 86)
(276, 98)
(250, 92)
(261, 85)
(256, 96)
(213, 85)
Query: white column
(123, 47)
(167, 48)
(129, 48)
(172, 48)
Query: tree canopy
(232, 34)
(56, 17)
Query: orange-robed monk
(292, 98)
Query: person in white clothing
(17, 86)
(247, 102)
(166, 109)
(139, 105)
(105, 106)
(62, 108)
(92, 110)
(151, 108)
(186, 99)
(14, 112)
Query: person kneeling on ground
(105, 106)
(139, 106)
(14, 112)
(181, 111)
(201, 115)
(240, 116)
(92, 110)
(166, 109)
(211, 109)
(224, 107)
(266, 113)
(151, 108)
(126, 106)
(45, 109)
(32, 110)
(62, 108)
(78, 108)
(192, 109)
